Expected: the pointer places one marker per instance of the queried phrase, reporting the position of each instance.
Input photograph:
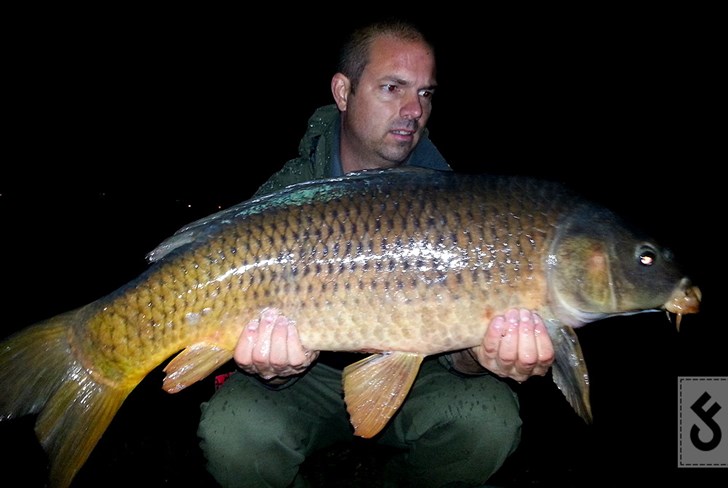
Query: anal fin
(193, 364)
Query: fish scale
(402, 263)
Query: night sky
(123, 126)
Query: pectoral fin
(375, 387)
(192, 364)
(569, 369)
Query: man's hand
(270, 347)
(516, 345)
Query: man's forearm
(464, 362)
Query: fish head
(601, 266)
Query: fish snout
(684, 300)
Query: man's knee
(491, 421)
(232, 439)
(236, 422)
(457, 429)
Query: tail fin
(39, 374)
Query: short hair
(354, 54)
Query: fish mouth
(685, 299)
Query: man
(459, 422)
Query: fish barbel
(401, 263)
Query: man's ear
(340, 88)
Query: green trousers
(450, 430)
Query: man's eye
(426, 93)
(390, 88)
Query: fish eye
(646, 255)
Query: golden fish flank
(403, 263)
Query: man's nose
(411, 108)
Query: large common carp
(399, 263)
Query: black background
(123, 125)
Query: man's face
(386, 114)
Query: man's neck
(349, 167)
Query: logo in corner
(702, 422)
